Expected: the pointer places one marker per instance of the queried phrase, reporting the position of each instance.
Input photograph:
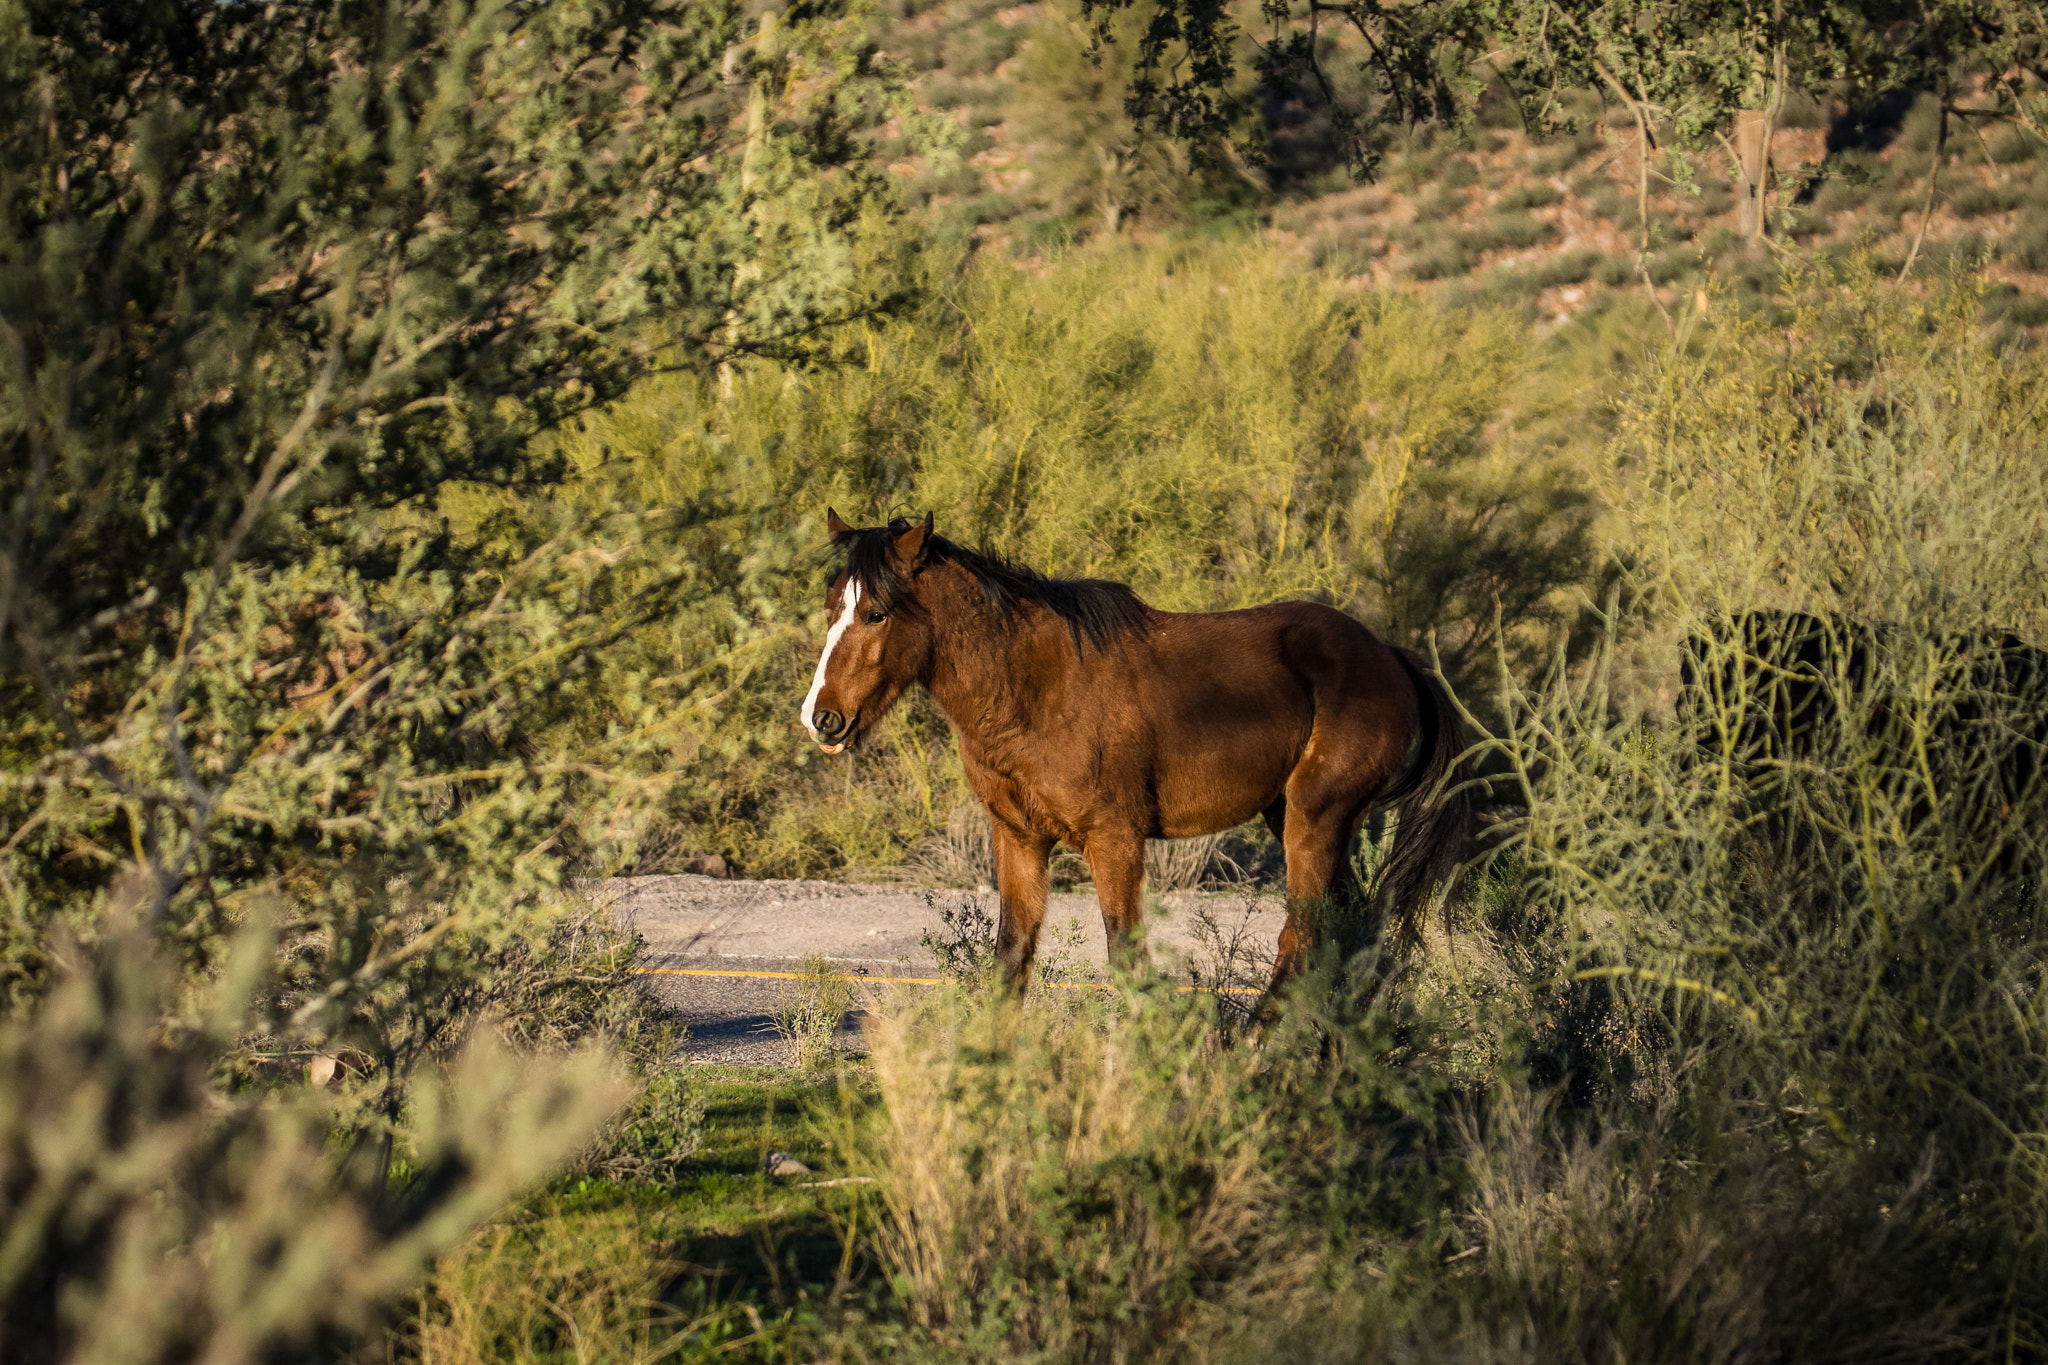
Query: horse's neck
(978, 677)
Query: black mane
(1096, 611)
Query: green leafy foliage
(277, 282)
(157, 1210)
(1206, 423)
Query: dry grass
(1079, 1182)
(810, 1010)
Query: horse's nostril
(829, 723)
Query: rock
(782, 1163)
(709, 865)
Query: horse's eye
(875, 618)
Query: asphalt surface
(716, 950)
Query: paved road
(695, 926)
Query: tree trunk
(1753, 153)
(760, 106)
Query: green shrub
(1840, 194)
(1458, 173)
(1204, 421)
(1610, 202)
(1566, 267)
(1529, 194)
(1783, 1037)
(1714, 199)
(250, 672)
(1975, 200)
(1443, 261)
(1799, 222)
(161, 1207)
(1090, 1178)
(560, 1283)
(2027, 244)
(1442, 204)
(2029, 310)
(1519, 231)
(1614, 271)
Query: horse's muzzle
(834, 730)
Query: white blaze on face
(831, 642)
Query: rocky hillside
(1048, 156)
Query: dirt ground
(713, 947)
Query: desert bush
(1975, 199)
(161, 1206)
(286, 288)
(1530, 194)
(1766, 1022)
(1205, 421)
(1848, 929)
(1087, 158)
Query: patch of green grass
(724, 1260)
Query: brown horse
(1085, 715)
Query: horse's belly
(1219, 779)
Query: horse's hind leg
(1021, 884)
(1320, 884)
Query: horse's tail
(1436, 810)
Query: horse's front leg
(1117, 862)
(1021, 883)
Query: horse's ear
(835, 528)
(909, 547)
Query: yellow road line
(783, 976)
(902, 980)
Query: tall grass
(1096, 1177)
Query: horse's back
(1314, 645)
(1235, 703)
